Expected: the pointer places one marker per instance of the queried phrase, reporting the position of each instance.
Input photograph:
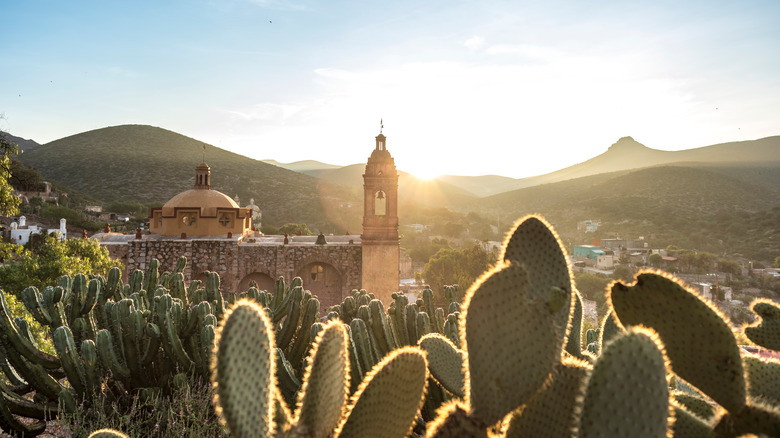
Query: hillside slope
(704, 207)
(627, 154)
(150, 164)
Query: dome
(207, 200)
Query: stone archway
(323, 280)
(202, 278)
(264, 282)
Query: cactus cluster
(111, 339)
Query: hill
(627, 154)
(150, 164)
(414, 193)
(24, 144)
(302, 166)
(720, 208)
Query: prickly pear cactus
(504, 321)
(631, 371)
(243, 371)
(765, 332)
(389, 398)
(700, 343)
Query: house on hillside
(588, 226)
(20, 231)
(593, 256)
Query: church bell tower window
(380, 203)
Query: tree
(729, 267)
(655, 260)
(623, 273)
(776, 264)
(24, 178)
(295, 229)
(593, 287)
(421, 250)
(45, 260)
(9, 202)
(453, 266)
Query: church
(215, 234)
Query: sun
(420, 170)
(423, 174)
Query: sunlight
(422, 172)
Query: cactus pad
(535, 245)
(107, 433)
(452, 421)
(326, 383)
(550, 413)
(445, 362)
(700, 344)
(243, 371)
(765, 332)
(687, 424)
(627, 393)
(763, 378)
(512, 342)
(389, 398)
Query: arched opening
(322, 280)
(202, 278)
(264, 282)
(380, 203)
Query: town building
(21, 231)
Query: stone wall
(380, 269)
(340, 265)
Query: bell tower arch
(380, 240)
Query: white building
(21, 232)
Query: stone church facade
(215, 234)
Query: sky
(464, 87)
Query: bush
(47, 259)
(185, 413)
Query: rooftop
(117, 238)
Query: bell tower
(380, 241)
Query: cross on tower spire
(381, 126)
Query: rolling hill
(719, 208)
(23, 143)
(150, 165)
(628, 154)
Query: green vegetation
(453, 266)
(45, 259)
(9, 202)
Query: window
(317, 273)
(225, 220)
(380, 203)
(189, 219)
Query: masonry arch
(263, 280)
(380, 203)
(200, 277)
(323, 280)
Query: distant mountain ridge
(625, 154)
(24, 144)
